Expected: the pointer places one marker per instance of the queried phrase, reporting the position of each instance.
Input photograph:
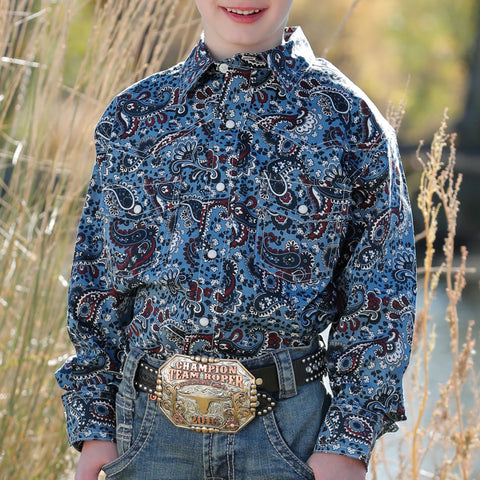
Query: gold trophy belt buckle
(205, 394)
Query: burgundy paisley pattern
(240, 207)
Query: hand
(330, 466)
(95, 454)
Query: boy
(242, 203)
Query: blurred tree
(400, 50)
(469, 124)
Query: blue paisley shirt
(237, 207)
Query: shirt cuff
(352, 431)
(89, 416)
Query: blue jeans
(272, 447)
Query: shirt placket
(215, 273)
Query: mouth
(237, 11)
(244, 15)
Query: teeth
(242, 12)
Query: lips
(244, 15)
(243, 12)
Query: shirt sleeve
(370, 339)
(96, 317)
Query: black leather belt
(307, 369)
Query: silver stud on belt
(315, 366)
(141, 386)
(266, 404)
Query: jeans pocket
(125, 412)
(293, 427)
(297, 465)
(135, 420)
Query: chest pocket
(301, 224)
(139, 225)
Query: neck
(219, 51)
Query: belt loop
(129, 370)
(286, 376)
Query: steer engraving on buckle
(207, 395)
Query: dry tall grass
(46, 152)
(442, 437)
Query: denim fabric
(273, 447)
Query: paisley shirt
(237, 207)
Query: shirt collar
(288, 61)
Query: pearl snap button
(211, 254)
(302, 209)
(223, 67)
(230, 124)
(137, 209)
(204, 321)
(220, 186)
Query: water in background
(440, 365)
